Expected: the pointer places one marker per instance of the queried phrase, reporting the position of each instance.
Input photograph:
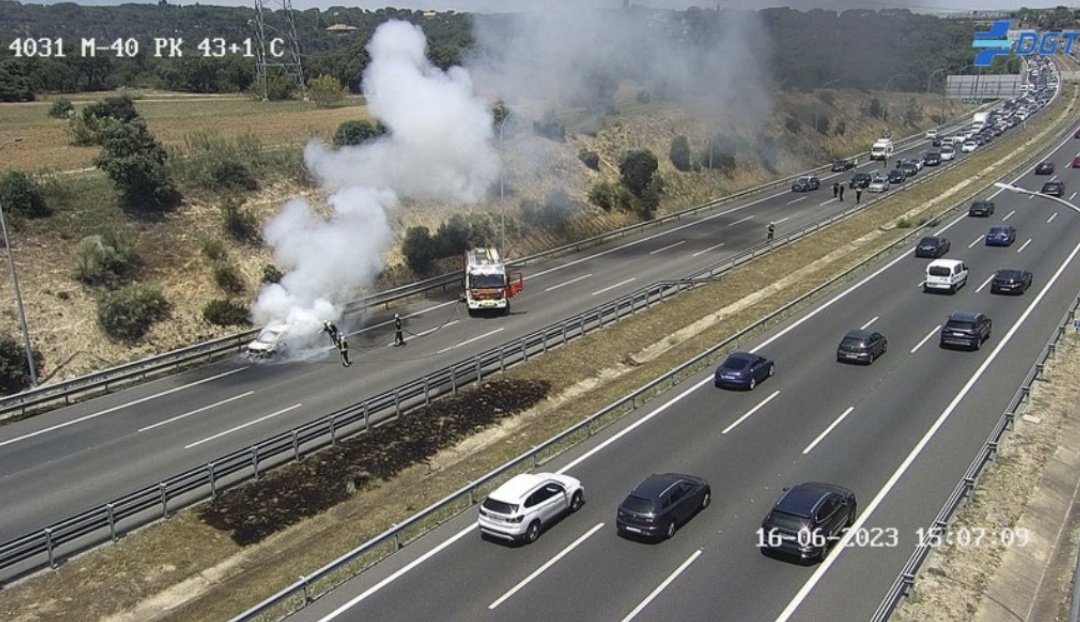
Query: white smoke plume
(438, 147)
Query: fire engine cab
(488, 286)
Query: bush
(840, 127)
(86, 127)
(554, 213)
(135, 162)
(271, 274)
(549, 126)
(232, 175)
(637, 169)
(874, 109)
(418, 249)
(61, 109)
(827, 97)
(127, 314)
(589, 158)
(214, 249)
(357, 133)
(240, 223)
(903, 223)
(227, 277)
(326, 91)
(221, 312)
(792, 124)
(107, 259)
(650, 198)
(452, 237)
(603, 195)
(14, 372)
(822, 124)
(20, 194)
(680, 153)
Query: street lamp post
(1019, 190)
(944, 100)
(502, 188)
(15, 287)
(822, 87)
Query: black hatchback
(1044, 168)
(1008, 281)
(896, 176)
(1054, 188)
(807, 521)
(659, 505)
(861, 346)
(981, 207)
(932, 247)
(860, 180)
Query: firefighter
(841, 192)
(771, 230)
(343, 348)
(835, 189)
(399, 337)
(858, 196)
(331, 329)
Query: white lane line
(776, 222)
(1009, 215)
(788, 611)
(751, 411)
(984, 283)
(196, 411)
(794, 201)
(468, 341)
(397, 575)
(660, 250)
(611, 287)
(1072, 196)
(711, 248)
(821, 436)
(977, 240)
(391, 321)
(925, 339)
(570, 282)
(431, 330)
(824, 203)
(1052, 217)
(741, 220)
(1031, 196)
(867, 325)
(551, 562)
(1053, 177)
(662, 586)
(1023, 246)
(242, 426)
(118, 407)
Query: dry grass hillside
(61, 312)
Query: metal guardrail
(198, 483)
(906, 579)
(104, 381)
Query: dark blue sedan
(743, 370)
(1001, 235)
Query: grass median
(183, 570)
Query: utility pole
(15, 287)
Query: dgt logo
(994, 42)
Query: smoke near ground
(438, 147)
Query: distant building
(430, 14)
(340, 28)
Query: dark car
(743, 370)
(936, 141)
(910, 168)
(932, 247)
(861, 346)
(896, 176)
(1076, 162)
(1008, 281)
(844, 164)
(1054, 188)
(661, 503)
(806, 183)
(860, 180)
(932, 158)
(981, 207)
(966, 329)
(807, 521)
(1001, 235)
(1044, 168)
(1077, 134)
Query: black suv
(896, 176)
(658, 505)
(982, 207)
(807, 521)
(966, 329)
(1008, 281)
(860, 180)
(932, 158)
(861, 346)
(846, 164)
(1054, 188)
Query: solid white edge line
(925, 339)
(394, 577)
(662, 249)
(867, 325)
(551, 562)
(713, 247)
(977, 240)
(923, 442)
(570, 282)
(822, 436)
(662, 586)
(1052, 217)
(118, 407)
(242, 426)
(751, 411)
(611, 287)
(470, 340)
(1023, 246)
(196, 411)
(988, 279)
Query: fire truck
(488, 286)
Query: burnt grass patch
(258, 509)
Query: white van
(945, 274)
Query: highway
(900, 433)
(65, 461)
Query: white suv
(524, 505)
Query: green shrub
(233, 175)
(14, 372)
(20, 194)
(680, 153)
(549, 126)
(271, 274)
(418, 249)
(227, 277)
(240, 223)
(903, 223)
(214, 249)
(637, 169)
(61, 109)
(589, 158)
(554, 213)
(127, 314)
(357, 132)
(840, 127)
(792, 124)
(821, 124)
(107, 259)
(222, 312)
(603, 195)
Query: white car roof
(949, 263)
(515, 489)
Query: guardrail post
(1025, 393)
(1010, 420)
(969, 487)
(304, 582)
(49, 547)
(453, 380)
(524, 350)
(367, 417)
(255, 460)
(564, 332)
(534, 463)
(163, 493)
(397, 540)
(333, 430)
(296, 446)
(112, 521)
(397, 402)
(502, 359)
(543, 341)
(427, 397)
(991, 450)
(1039, 367)
(472, 496)
(1050, 350)
(479, 373)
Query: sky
(527, 5)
